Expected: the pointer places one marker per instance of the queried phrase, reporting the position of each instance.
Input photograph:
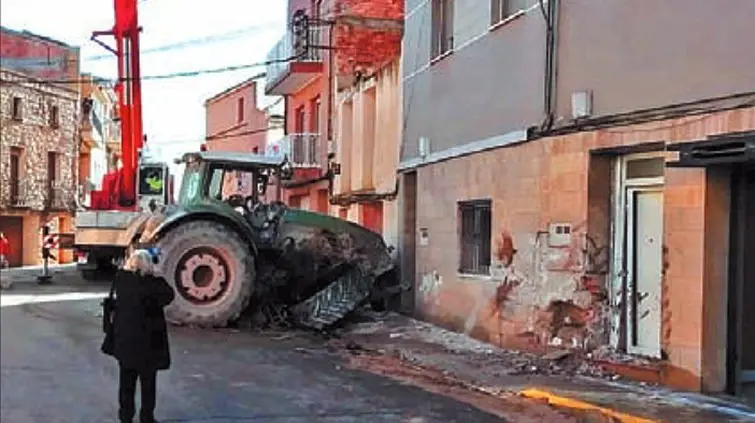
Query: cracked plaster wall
(536, 295)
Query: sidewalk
(558, 378)
(63, 274)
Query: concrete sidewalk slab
(64, 274)
(564, 381)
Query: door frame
(618, 273)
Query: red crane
(119, 187)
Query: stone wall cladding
(36, 138)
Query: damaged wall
(367, 34)
(540, 294)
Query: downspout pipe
(550, 12)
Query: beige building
(38, 155)
(368, 131)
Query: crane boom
(128, 88)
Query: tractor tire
(211, 270)
(335, 301)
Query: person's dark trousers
(127, 392)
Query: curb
(565, 402)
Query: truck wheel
(211, 270)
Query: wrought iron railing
(58, 196)
(18, 194)
(283, 52)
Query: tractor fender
(135, 227)
(183, 217)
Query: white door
(644, 269)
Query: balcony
(18, 194)
(287, 76)
(58, 197)
(302, 150)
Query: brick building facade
(38, 155)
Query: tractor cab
(240, 180)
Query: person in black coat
(140, 335)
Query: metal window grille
(475, 217)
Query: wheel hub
(203, 276)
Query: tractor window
(216, 183)
(151, 180)
(190, 185)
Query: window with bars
(442, 27)
(475, 236)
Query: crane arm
(128, 88)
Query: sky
(173, 112)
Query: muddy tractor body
(226, 249)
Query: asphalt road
(52, 371)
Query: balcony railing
(283, 52)
(58, 197)
(302, 150)
(18, 194)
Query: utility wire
(172, 75)
(210, 39)
(213, 137)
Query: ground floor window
(474, 233)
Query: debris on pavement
(570, 377)
(409, 334)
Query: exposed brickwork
(367, 34)
(38, 56)
(35, 137)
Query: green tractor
(225, 249)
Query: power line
(215, 137)
(226, 36)
(172, 75)
(210, 39)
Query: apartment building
(580, 174)
(304, 84)
(342, 106)
(38, 141)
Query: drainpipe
(550, 13)
(331, 100)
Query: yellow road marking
(580, 405)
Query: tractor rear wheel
(211, 270)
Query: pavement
(386, 368)
(555, 378)
(52, 371)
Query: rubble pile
(422, 342)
